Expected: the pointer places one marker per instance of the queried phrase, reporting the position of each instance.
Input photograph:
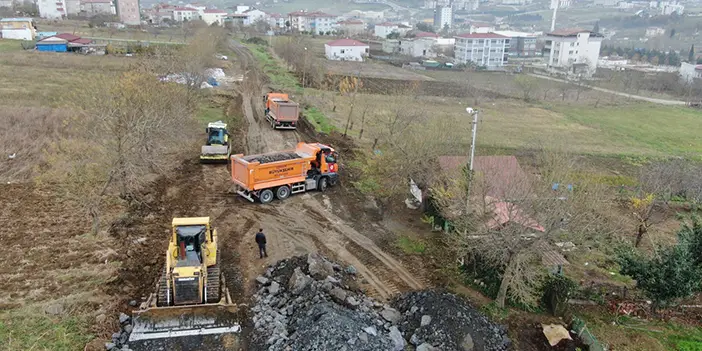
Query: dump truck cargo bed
(264, 171)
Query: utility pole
(304, 71)
(474, 132)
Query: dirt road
(301, 224)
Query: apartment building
(443, 17)
(482, 49)
(521, 44)
(211, 16)
(52, 9)
(315, 22)
(97, 7)
(128, 12)
(572, 48)
(384, 29)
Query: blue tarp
(212, 81)
(52, 47)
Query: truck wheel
(322, 184)
(283, 192)
(266, 196)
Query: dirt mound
(448, 322)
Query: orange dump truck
(311, 166)
(281, 112)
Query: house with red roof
(63, 42)
(488, 50)
(211, 16)
(182, 14)
(346, 50)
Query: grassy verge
(33, 330)
(276, 72)
(320, 122)
(7, 45)
(411, 246)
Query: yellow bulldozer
(191, 299)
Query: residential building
(235, 19)
(315, 22)
(73, 7)
(62, 43)
(239, 9)
(562, 4)
(516, 2)
(351, 27)
(197, 6)
(689, 72)
(427, 46)
(276, 21)
(255, 15)
(367, 15)
(573, 48)
(670, 9)
(481, 27)
(211, 16)
(382, 30)
(182, 14)
(346, 50)
(128, 12)
(97, 7)
(52, 9)
(482, 49)
(159, 13)
(443, 17)
(654, 32)
(521, 44)
(20, 28)
(607, 3)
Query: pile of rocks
(119, 339)
(436, 320)
(311, 303)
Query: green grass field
(8, 45)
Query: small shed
(63, 42)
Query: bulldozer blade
(216, 326)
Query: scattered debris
(555, 333)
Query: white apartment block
(276, 21)
(211, 16)
(255, 15)
(382, 30)
(129, 12)
(52, 9)
(443, 16)
(182, 14)
(315, 22)
(566, 48)
(482, 49)
(562, 4)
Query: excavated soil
(273, 157)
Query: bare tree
(527, 85)
(515, 218)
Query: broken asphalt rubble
(311, 303)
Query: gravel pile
(267, 158)
(119, 339)
(443, 321)
(310, 303)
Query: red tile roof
(481, 36)
(82, 41)
(386, 24)
(346, 42)
(502, 173)
(66, 36)
(183, 9)
(506, 212)
(214, 11)
(425, 35)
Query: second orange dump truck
(311, 166)
(281, 112)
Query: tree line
(654, 57)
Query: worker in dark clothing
(261, 241)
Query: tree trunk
(640, 234)
(505, 283)
(95, 217)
